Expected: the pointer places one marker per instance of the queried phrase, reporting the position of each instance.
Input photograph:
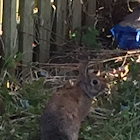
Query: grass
(123, 121)
(23, 123)
(117, 119)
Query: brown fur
(67, 107)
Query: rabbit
(67, 108)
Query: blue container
(127, 32)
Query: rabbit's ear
(83, 68)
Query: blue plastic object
(127, 38)
(127, 32)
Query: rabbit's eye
(95, 82)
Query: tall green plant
(86, 35)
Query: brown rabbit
(68, 106)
